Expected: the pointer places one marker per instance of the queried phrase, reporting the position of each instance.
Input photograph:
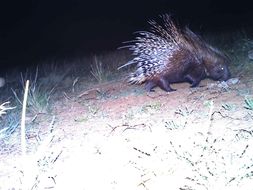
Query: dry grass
(39, 95)
(4, 107)
(105, 66)
(98, 71)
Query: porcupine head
(216, 65)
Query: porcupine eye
(221, 73)
(220, 70)
(217, 72)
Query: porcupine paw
(165, 85)
(192, 80)
(149, 86)
(195, 83)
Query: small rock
(223, 85)
(233, 81)
(226, 84)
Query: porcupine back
(168, 54)
(153, 50)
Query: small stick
(23, 132)
(88, 91)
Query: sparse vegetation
(171, 125)
(156, 106)
(9, 122)
(98, 70)
(38, 95)
(229, 107)
(249, 103)
(4, 107)
(214, 165)
(137, 141)
(93, 110)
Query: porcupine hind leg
(164, 84)
(150, 85)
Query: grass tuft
(97, 70)
(38, 95)
(249, 103)
(4, 107)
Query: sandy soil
(116, 136)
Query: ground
(116, 136)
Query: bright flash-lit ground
(189, 139)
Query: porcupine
(168, 54)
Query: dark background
(32, 30)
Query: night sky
(32, 30)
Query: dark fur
(188, 58)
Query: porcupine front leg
(195, 76)
(194, 81)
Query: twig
(142, 152)
(210, 116)
(88, 91)
(3, 108)
(23, 135)
(51, 126)
(74, 83)
(66, 96)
